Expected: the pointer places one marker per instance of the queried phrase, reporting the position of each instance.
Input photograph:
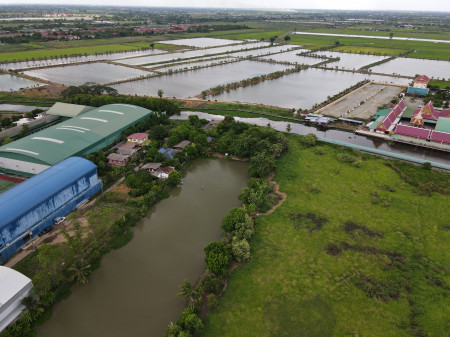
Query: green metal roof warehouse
(77, 136)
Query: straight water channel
(133, 293)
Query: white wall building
(14, 287)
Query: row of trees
(260, 144)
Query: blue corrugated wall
(34, 221)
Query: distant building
(133, 152)
(14, 287)
(30, 207)
(421, 81)
(417, 91)
(151, 167)
(137, 138)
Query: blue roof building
(168, 153)
(417, 91)
(30, 207)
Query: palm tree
(160, 93)
(80, 271)
(187, 291)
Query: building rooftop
(11, 282)
(422, 79)
(68, 110)
(77, 136)
(418, 91)
(443, 125)
(140, 136)
(118, 157)
(183, 144)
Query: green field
(438, 51)
(440, 84)
(353, 251)
(370, 50)
(5, 185)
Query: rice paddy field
(352, 251)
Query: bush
(212, 284)
(240, 249)
(309, 140)
(345, 158)
(319, 151)
(217, 257)
(261, 165)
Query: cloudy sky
(416, 5)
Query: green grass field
(5, 185)
(370, 50)
(351, 252)
(429, 50)
(440, 84)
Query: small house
(421, 81)
(151, 167)
(133, 152)
(115, 159)
(163, 172)
(181, 145)
(168, 153)
(137, 138)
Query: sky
(408, 5)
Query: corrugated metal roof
(443, 125)
(418, 91)
(75, 136)
(25, 196)
(68, 110)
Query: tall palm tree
(80, 271)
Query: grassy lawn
(351, 252)
(440, 84)
(5, 185)
(438, 51)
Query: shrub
(217, 257)
(309, 140)
(345, 158)
(212, 284)
(261, 165)
(240, 249)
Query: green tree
(287, 38)
(174, 178)
(217, 257)
(160, 93)
(288, 127)
(186, 290)
(272, 39)
(152, 45)
(240, 249)
(80, 271)
(261, 165)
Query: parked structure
(30, 207)
(78, 136)
(14, 287)
(68, 110)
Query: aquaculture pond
(89, 72)
(20, 108)
(201, 42)
(74, 59)
(195, 64)
(193, 82)
(411, 67)
(180, 55)
(292, 57)
(14, 83)
(301, 89)
(350, 61)
(264, 51)
(134, 292)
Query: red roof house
(137, 137)
(421, 81)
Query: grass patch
(439, 84)
(369, 271)
(370, 50)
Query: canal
(133, 293)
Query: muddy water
(133, 293)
